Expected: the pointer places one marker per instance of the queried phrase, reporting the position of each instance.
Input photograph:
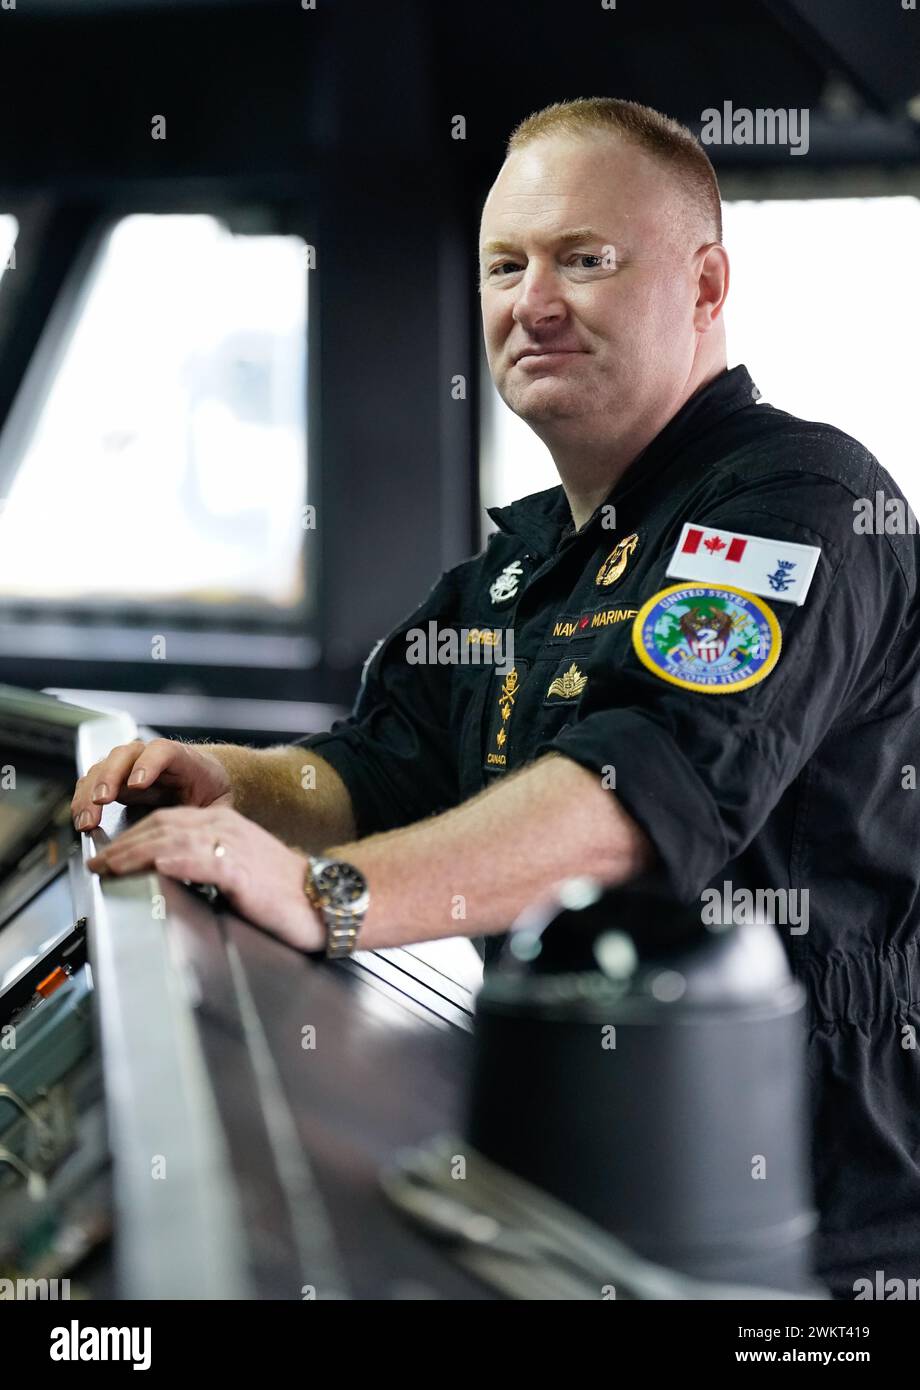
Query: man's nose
(539, 299)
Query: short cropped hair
(660, 136)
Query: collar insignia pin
(615, 564)
(506, 584)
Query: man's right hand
(160, 773)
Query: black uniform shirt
(797, 780)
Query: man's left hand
(260, 877)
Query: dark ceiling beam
(877, 46)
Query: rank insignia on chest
(616, 562)
(774, 569)
(508, 694)
(498, 749)
(505, 585)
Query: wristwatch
(340, 894)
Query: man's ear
(712, 285)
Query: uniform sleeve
(700, 772)
(394, 752)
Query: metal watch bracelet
(342, 920)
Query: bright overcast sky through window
(168, 460)
(823, 310)
(8, 229)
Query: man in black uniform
(714, 671)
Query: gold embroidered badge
(506, 699)
(615, 564)
(508, 692)
(569, 684)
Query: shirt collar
(542, 519)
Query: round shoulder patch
(707, 638)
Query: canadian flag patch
(775, 569)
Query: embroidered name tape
(775, 569)
(566, 627)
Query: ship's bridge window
(164, 455)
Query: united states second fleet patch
(715, 640)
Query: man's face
(589, 282)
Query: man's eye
(596, 260)
(506, 266)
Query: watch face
(342, 885)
